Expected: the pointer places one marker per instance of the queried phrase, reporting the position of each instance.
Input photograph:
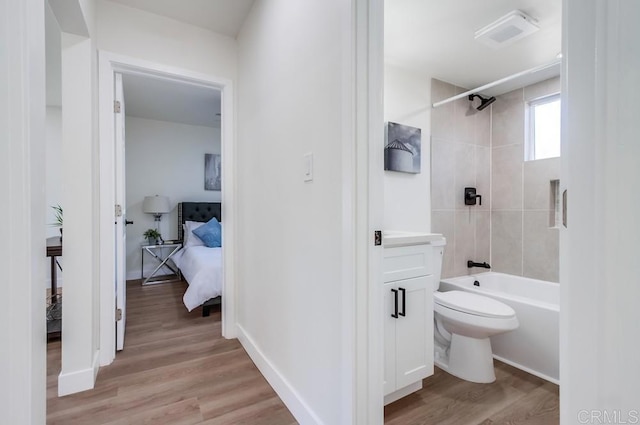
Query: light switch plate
(308, 166)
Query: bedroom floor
(175, 369)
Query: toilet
(463, 323)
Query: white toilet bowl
(463, 324)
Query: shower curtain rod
(498, 82)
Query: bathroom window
(543, 138)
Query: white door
(414, 349)
(121, 228)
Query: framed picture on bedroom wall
(212, 171)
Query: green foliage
(151, 233)
(58, 215)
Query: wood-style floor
(175, 369)
(516, 398)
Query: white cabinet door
(414, 331)
(389, 339)
(409, 337)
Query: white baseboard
(79, 380)
(290, 397)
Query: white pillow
(189, 238)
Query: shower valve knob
(470, 196)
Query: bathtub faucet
(473, 264)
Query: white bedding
(202, 268)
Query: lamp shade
(156, 205)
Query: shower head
(484, 102)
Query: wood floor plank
(174, 364)
(515, 398)
(541, 407)
(185, 412)
(177, 369)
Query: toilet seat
(474, 304)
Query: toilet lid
(473, 304)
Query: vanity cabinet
(408, 321)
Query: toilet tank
(438, 254)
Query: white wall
(407, 197)
(22, 162)
(79, 347)
(53, 179)
(163, 158)
(599, 311)
(291, 318)
(142, 35)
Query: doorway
(170, 130)
(138, 73)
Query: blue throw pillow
(210, 233)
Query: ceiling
(221, 16)
(436, 37)
(162, 100)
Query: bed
(200, 266)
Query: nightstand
(159, 253)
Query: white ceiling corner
(220, 16)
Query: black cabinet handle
(395, 303)
(404, 302)
(128, 222)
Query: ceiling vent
(507, 30)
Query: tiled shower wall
(523, 241)
(460, 157)
(485, 149)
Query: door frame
(108, 64)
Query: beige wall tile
(483, 236)
(506, 177)
(542, 89)
(441, 90)
(483, 127)
(465, 241)
(540, 247)
(443, 222)
(443, 162)
(537, 177)
(506, 242)
(507, 113)
(465, 172)
(483, 177)
(442, 116)
(464, 119)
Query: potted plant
(153, 236)
(58, 218)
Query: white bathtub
(533, 347)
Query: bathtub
(533, 347)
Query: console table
(54, 325)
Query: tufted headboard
(197, 211)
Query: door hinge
(116, 106)
(377, 238)
(118, 314)
(118, 210)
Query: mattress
(202, 269)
